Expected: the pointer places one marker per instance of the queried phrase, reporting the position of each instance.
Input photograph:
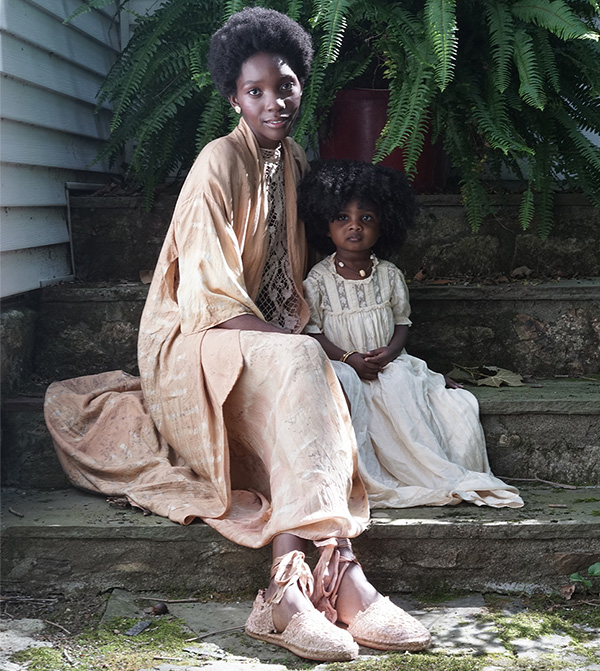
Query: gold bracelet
(348, 355)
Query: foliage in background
(508, 86)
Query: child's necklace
(361, 273)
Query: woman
(254, 432)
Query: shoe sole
(277, 639)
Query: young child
(419, 435)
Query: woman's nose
(275, 103)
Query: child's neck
(353, 264)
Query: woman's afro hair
(330, 185)
(253, 30)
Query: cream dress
(419, 443)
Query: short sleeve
(400, 300)
(314, 299)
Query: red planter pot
(357, 118)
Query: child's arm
(366, 370)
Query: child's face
(355, 228)
(269, 94)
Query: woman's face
(269, 94)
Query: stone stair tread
(74, 542)
(76, 512)
(554, 395)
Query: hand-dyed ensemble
(247, 430)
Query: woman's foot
(345, 595)
(285, 616)
(293, 601)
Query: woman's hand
(367, 370)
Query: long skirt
(290, 446)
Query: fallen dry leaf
(566, 591)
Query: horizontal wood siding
(51, 73)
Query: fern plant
(506, 85)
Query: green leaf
(575, 577)
(555, 16)
(526, 208)
(531, 88)
(594, 569)
(502, 37)
(440, 16)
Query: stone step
(72, 541)
(549, 429)
(538, 329)
(116, 238)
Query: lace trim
(277, 297)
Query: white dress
(419, 443)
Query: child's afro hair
(253, 30)
(330, 185)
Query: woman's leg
(293, 600)
(355, 592)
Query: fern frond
(531, 88)
(211, 125)
(231, 7)
(502, 37)
(490, 113)
(555, 16)
(526, 208)
(90, 5)
(546, 58)
(585, 147)
(409, 101)
(440, 18)
(331, 18)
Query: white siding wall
(50, 74)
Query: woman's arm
(250, 323)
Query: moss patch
(109, 648)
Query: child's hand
(380, 356)
(367, 370)
(451, 384)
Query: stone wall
(115, 238)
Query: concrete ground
(472, 631)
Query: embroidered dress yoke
(419, 443)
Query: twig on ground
(67, 656)
(16, 599)
(158, 599)
(16, 512)
(59, 626)
(214, 633)
(536, 479)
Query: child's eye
(367, 217)
(288, 86)
(254, 92)
(341, 217)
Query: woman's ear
(234, 103)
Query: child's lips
(354, 238)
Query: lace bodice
(277, 298)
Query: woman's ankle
(292, 602)
(355, 594)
